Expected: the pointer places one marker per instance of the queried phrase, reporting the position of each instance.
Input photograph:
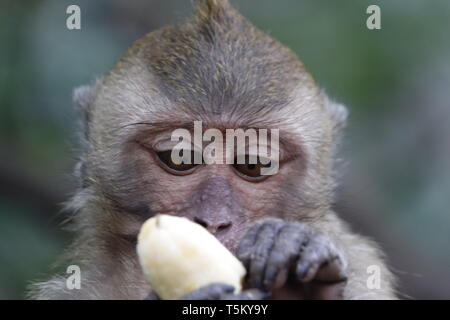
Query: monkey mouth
(227, 241)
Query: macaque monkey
(219, 69)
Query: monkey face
(226, 199)
(128, 168)
(239, 78)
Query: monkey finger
(332, 271)
(283, 253)
(324, 280)
(264, 243)
(317, 252)
(322, 266)
(214, 291)
(152, 296)
(245, 247)
(251, 294)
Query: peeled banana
(179, 256)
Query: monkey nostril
(201, 222)
(224, 226)
(212, 227)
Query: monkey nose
(215, 227)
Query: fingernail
(302, 269)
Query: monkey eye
(165, 157)
(252, 171)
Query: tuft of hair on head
(215, 15)
(208, 8)
(217, 62)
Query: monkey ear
(338, 112)
(83, 98)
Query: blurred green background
(396, 82)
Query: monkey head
(219, 69)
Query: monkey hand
(218, 291)
(292, 261)
(221, 291)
